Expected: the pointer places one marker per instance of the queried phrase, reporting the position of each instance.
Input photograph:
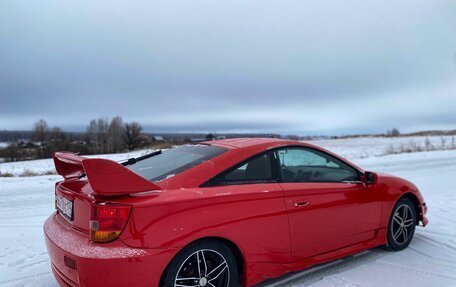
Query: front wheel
(401, 226)
(203, 264)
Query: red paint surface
(274, 236)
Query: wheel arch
(416, 203)
(235, 250)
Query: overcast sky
(304, 67)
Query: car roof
(239, 149)
(251, 142)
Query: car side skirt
(260, 271)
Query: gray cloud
(269, 66)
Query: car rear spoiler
(106, 177)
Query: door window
(309, 165)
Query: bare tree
(97, 134)
(11, 153)
(91, 135)
(428, 145)
(132, 135)
(116, 133)
(40, 134)
(443, 142)
(40, 131)
(393, 132)
(57, 134)
(58, 140)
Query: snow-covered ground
(350, 148)
(25, 202)
(46, 166)
(362, 147)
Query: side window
(258, 169)
(308, 165)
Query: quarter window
(258, 169)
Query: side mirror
(370, 178)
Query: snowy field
(350, 148)
(25, 202)
(46, 166)
(362, 147)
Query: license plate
(64, 207)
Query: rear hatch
(85, 197)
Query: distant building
(25, 143)
(158, 139)
(210, 137)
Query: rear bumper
(76, 261)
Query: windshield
(174, 161)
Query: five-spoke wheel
(401, 225)
(204, 267)
(203, 264)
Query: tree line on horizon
(102, 136)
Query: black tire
(401, 225)
(211, 270)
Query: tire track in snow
(338, 281)
(436, 242)
(431, 232)
(317, 273)
(25, 278)
(434, 258)
(27, 266)
(415, 271)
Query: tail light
(108, 221)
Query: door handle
(301, 203)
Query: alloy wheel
(203, 268)
(402, 225)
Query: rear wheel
(203, 264)
(401, 227)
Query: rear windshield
(174, 161)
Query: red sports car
(222, 213)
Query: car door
(328, 206)
(256, 217)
